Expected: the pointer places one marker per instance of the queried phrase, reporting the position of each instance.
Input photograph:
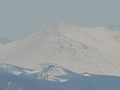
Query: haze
(19, 18)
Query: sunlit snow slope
(80, 49)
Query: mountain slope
(80, 49)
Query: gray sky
(19, 18)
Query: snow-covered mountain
(79, 49)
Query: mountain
(52, 72)
(80, 49)
(29, 81)
(4, 40)
(63, 57)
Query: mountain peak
(53, 72)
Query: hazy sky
(19, 18)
